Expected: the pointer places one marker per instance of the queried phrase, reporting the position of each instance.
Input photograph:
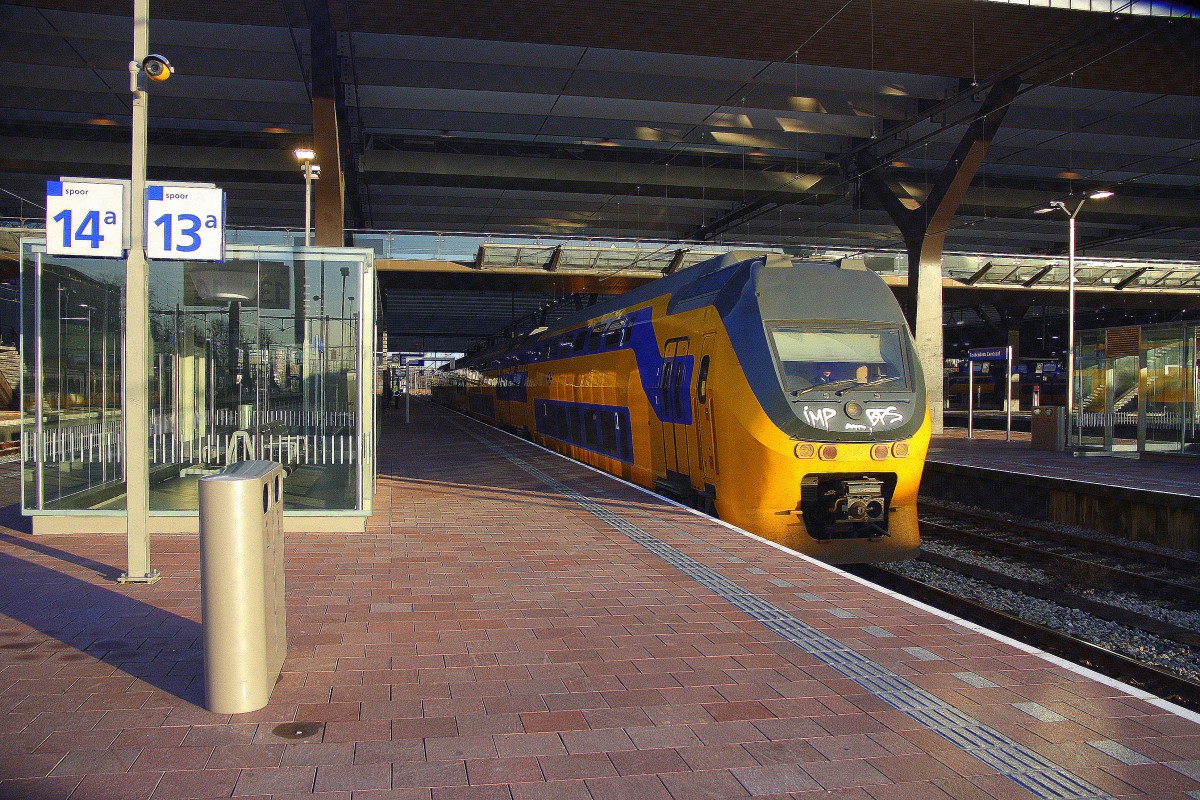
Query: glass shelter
(1137, 389)
(266, 355)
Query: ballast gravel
(1177, 658)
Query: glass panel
(72, 318)
(1167, 380)
(1091, 375)
(811, 358)
(256, 357)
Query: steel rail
(1146, 676)
(1097, 571)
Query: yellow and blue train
(784, 397)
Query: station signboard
(185, 223)
(86, 217)
(91, 217)
(987, 354)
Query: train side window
(609, 424)
(562, 429)
(702, 381)
(613, 337)
(580, 338)
(576, 418)
(591, 432)
(679, 392)
(594, 338)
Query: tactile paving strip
(1030, 770)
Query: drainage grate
(1028, 769)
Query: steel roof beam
(1130, 278)
(1037, 276)
(676, 261)
(979, 274)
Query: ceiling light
(102, 120)
(1044, 210)
(606, 142)
(275, 129)
(1100, 194)
(305, 154)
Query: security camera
(156, 67)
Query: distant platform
(1145, 499)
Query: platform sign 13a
(185, 223)
(85, 218)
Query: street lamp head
(305, 154)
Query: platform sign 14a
(85, 218)
(185, 223)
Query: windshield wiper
(827, 387)
(875, 382)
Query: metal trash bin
(241, 585)
(1048, 428)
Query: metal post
(970, 399)
(137, 326)
(104, 392)
(39, 383)
(1008, 397)
(1071, 324)
(308, 176)
(91, 360)
(58, 339)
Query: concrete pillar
(329, 192)
(924, 227)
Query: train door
(707, 444)
(673, 387)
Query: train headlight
(900, 449)
(829, 452)
(853, 410)
(806, 450)
(879, 452)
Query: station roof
(718, 122)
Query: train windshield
(827, 358)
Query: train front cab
(809, 488)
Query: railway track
(1090, 596)
(1137, 673)
(1130, 563)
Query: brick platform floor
(510, 627)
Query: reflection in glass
(256, 357)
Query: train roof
(856, 293)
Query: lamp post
(311, 173)
(1071, 207)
